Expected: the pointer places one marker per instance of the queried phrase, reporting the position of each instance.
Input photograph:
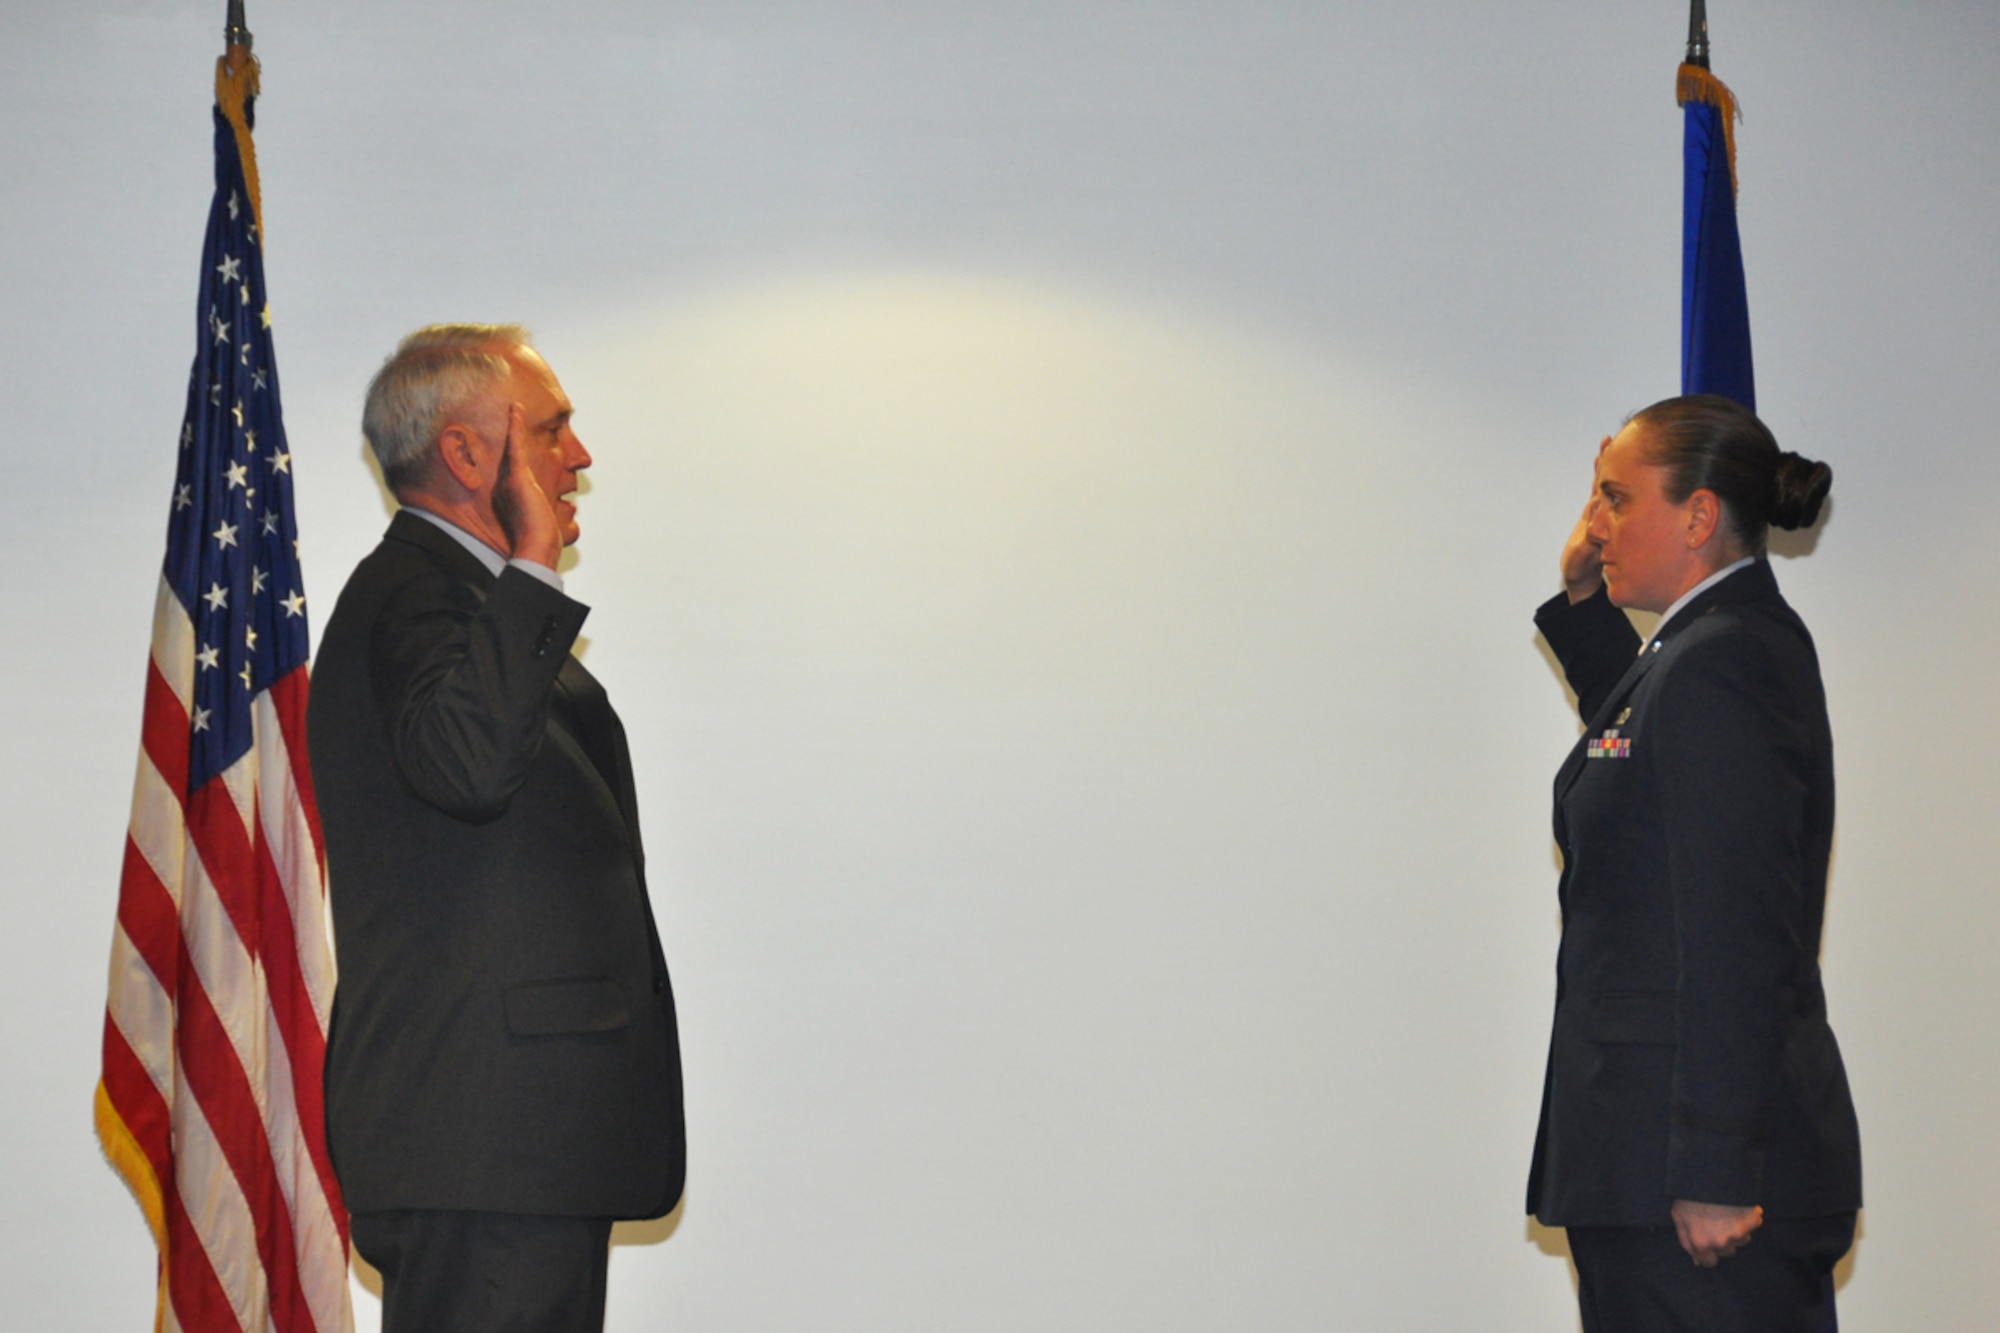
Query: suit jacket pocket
(1631, 1018)
(551, 1008)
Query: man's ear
(1704, 518)
(460, 455)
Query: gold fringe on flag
(235, 85)
(1696, 84)
(131, 1162)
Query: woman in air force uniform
(1695, 1106)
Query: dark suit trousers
(1640, 1280)
(461, 1272)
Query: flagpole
(1697, 53)
(237, 40)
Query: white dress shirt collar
(486, 555)
(1699, 588)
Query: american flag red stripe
(221, 973)
(129, 1087)
(163, 730)
(197, 1300)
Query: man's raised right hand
(526, 512)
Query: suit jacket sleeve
(1594, 642)
(1733, 757)
(463, 684)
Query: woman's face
(1652, 548)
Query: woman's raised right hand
(1582, 556)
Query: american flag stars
(232, 552)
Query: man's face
(1643, 535)
(549, 445)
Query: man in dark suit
(1697, 1138)
(503, 1075)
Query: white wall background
(1072, 483)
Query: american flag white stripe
(240, 781)
(173, 643)
(298, 1179)
(157, 827)
(234, 985)
(290, 838)
(219, 1211)
(227, 972)
(143, 1008)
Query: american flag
(221, 977)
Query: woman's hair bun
(1802, 485)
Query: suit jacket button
(548, 637)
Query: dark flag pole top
(237, 45)
(237, 33)
(1697, 35)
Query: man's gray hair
(436, 372)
